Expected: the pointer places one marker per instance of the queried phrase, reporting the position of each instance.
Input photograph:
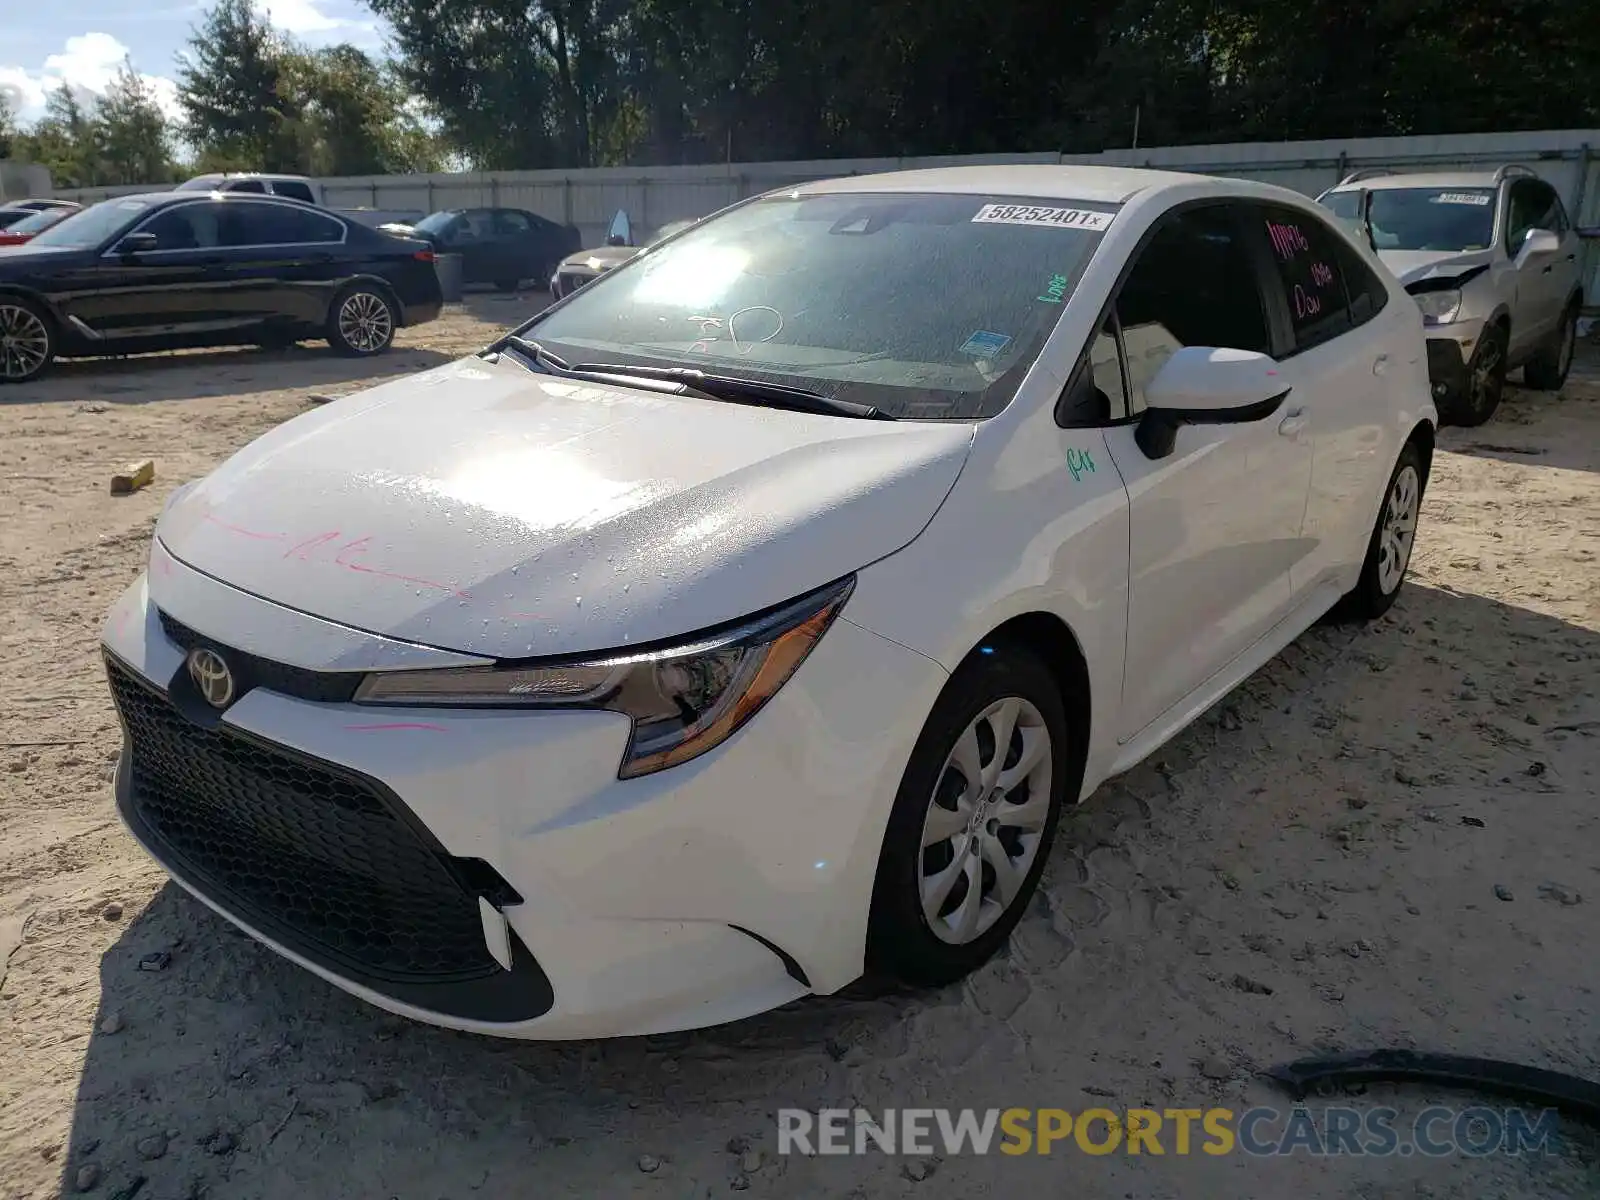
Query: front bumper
(705, 893)
(1447, 368)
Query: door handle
(1293, 425)
(1380, 365)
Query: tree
(63, 140)
(131, 129)
(354, 115)
(8, 126)
(237, 111)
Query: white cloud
(305, 19)
(87, 63)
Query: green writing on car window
(1054, 290)
(1079, 463)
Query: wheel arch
(1422, 436)
(371, 280)
(1050, 639)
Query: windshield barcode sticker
(1475, 198)
(1029, 214)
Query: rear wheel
(27, 340)
(973, 821)
(1547, 370)
(1389, 549)
(362, 322)
(1486, 382)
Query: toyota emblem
(211, 677)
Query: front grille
(322, 859)
(252, 671)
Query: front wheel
(972, 822)
(27, 340)
(362, 322)
(1486, 382)
(1389, 549)
(1547, 370)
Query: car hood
(1410, 266)
(482, 508)
(602, 258)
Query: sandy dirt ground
(1387, 838)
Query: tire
(27, 340)
(1486, 382)
(902, 942)
(362, 321)
(1547, 370)
(1393, 538)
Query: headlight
(1439, 308)
(684, 699)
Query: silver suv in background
(1493, 263)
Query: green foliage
(532, 83)
(130, 134)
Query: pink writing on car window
(1305, 304)
(1321, 274)
(1287, 240)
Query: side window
(1193, 284)
(1367, 292)
(508, 223)
(186, 227)
(278, 225)
(1096, 393)
(253, 186)
(1306, 255)
(474, 225)
(294, 190)
(1534, 205)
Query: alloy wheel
(365, 323)
(1399, 529)
(1487, 377)
(24, 342)
(985, 820)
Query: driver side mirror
(1205, 385)
(138, 243)
(1539, 241)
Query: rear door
(282, 262)
(1214, 527)
(1343, 365)
(519, 248)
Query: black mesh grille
(252, 671)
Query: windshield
(436, 222)
(1449, 219)
(94, 224)
(40, 220)
(928, 307)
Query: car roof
(1112, 185)
(1426, 179)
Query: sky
(44, 43)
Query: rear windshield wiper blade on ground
(734, 387)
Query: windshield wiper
(742, 390)
(531, 350)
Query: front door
(170, 290)
(1539, 296)
(1214, 527)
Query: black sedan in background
(502, 246)
(179, 269)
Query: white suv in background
(1494, 264)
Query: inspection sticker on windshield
(985, 344)
(1476, 198)
(1030, 214)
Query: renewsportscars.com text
(1262, 1132)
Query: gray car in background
(588, 265)
(1493, 262)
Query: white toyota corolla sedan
(743, 622)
